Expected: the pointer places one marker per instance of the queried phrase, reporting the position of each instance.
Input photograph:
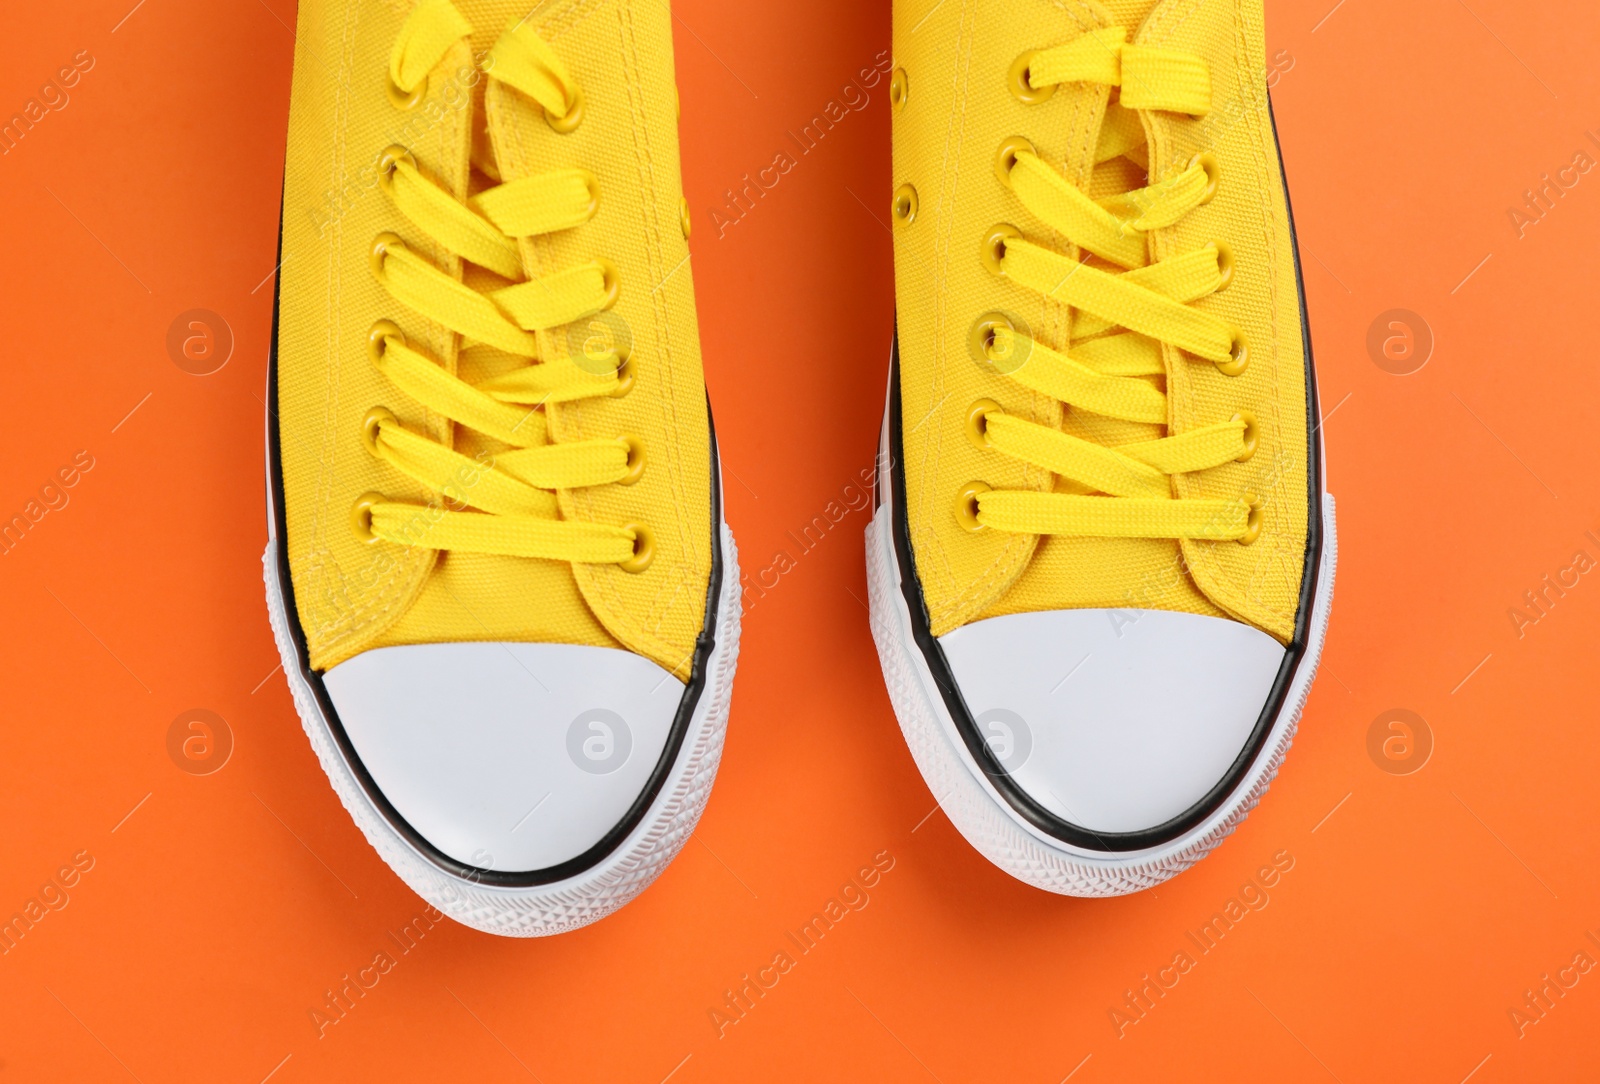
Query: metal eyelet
(683, 216)
(1252, 434)
(899, 88)
(978, 423)
(361, 516)
(967, 506)
(981, 338)
(375, 420)
(994, 246)
(625, 373)
(905, 204)
(388, 161)
(1224, 264)
(1208, 162)
(1006, 160)
(1023, 90)
(636, 458)
(1238, 355)
(574, 115)
(378, 339)
(613, 281)
(644, 548)
(381, 245)
(981, 343)
(402, 99)
(1252, 527)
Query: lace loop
(524, 60)
(429, 32)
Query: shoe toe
(506, 756)
(1115, 721)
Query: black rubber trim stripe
(705, 647)
(933, 654)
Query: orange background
(1419, 910)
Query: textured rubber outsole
(565, 905)
(977, 809)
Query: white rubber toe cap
(512, 757)
(1114, 720)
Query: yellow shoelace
(1121, 318)
(514, 509)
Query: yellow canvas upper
(956, 111)
(475, 130)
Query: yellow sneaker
(1103, 556)
(498, 573)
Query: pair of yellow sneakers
(508, 605)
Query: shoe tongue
(1130, 13)
(489, 19)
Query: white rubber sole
(973, 805)
(542, 910)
